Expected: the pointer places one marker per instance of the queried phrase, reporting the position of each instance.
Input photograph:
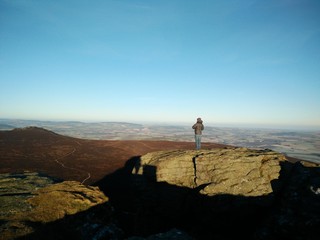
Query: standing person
(198, 127)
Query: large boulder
(236, 171)
(227, 193)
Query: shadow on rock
(144, 206)
(140, 206)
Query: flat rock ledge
(236, 171)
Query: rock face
(237, 171)
(228, 193)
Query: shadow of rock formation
(151, 195)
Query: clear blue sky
(237, 62)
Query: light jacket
(198, 127)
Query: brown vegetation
(67, 158)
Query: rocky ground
(163, 191)
(218, 194)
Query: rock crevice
(236, 171)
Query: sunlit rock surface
(237, 171)
(31, 203)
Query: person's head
(199, 120)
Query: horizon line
(179, 123)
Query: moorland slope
(40, 150)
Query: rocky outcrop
(237, 171)
(228, 193)
(38, 206)
(216, 194)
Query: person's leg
(199, 143)
(198, 139)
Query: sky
(230, 62)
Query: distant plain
(299, 144)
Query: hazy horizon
(209, 124)
(299, 143)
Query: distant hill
(6, 126)
(29, 135)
